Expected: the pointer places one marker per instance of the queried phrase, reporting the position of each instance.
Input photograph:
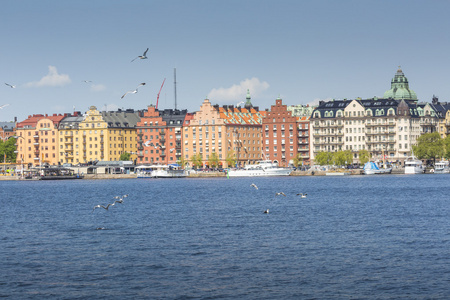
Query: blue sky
(302, 51)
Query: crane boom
(157, 98)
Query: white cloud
(238, 91)
(98, 87)
(51, 79)
(315, 102)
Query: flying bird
(4, 105)
(254, 185)
(132, 92)
(302, 195)
(280, 193)
(147, 144)
(239, 104)
(266, 211)
(143, 56)
(10, 85)
(105, 207)
(87, 81)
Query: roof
(121, 119)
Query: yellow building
(37, 141)
(98, 136)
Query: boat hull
(257, 173)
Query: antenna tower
(175, 85)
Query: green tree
(364, 156)
(213, 160)
(197, 160)
(182, 162)
(231, 159)
(125, 156)
(429, 146)
(446, 142)
(324, 158)
(297, 160)
(7, 149)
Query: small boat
(261, 168)
(413, 165)
(371, 168)
(441, 167)
(51, 173)
(160, 171)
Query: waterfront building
(400, 88)
(228, 132)
(159, 136)
(301, 110)
(441, 110)
(285, 137)
(98, 136)
(7, 130)
(37, 141)
(386, 128)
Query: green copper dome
(400, 88)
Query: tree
(7, 149)
(324, 158)
(125, 156)
(364, 156)
(213, 160)
(182, 162)
(231, 158)
(446, 142)
(297, 160)
(429, 146)
(197, 160)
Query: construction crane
(157, 98)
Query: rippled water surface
(353, 237)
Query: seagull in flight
(266, 211)
(147, 144)
(143, 56)
(132, 92)
(87, 81)
(4, 105)
(280, 193)
(105, 207)
(239, 104)
(10, 85)
(302, 195)
(254, 185)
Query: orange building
(37, 141)
(228, 133)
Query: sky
(300, 51)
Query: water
(353, 237)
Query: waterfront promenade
(220, 174)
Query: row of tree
(431, 146)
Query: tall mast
(175, 85)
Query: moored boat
(441, 167)
(413, 165)
(261, 168)
(160, 171)
(371, 168)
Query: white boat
(371, 168)
(261, 168)
(413, 165)
(143, 171)
(160, 171)
(441, 167)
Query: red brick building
(285, 137)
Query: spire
(248, 102)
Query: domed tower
(400, 88)
(248, 102)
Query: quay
(218, 174)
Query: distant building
(159, 136)
(7, 130)
(38, 140)
(228, 132)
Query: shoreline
(222, 174)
